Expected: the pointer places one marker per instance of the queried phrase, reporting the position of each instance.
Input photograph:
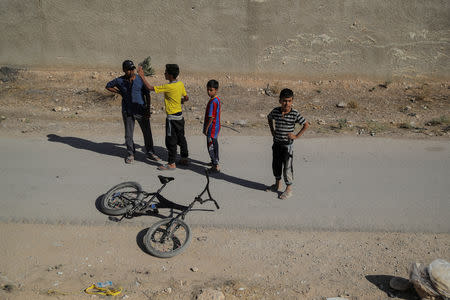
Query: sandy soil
(41, 261)
(60, 261)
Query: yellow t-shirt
(173, 92)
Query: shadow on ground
(382, 282)
(118, 150)
(105, 148)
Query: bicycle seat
(165, 179)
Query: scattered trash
(432, 280)
(104, 288)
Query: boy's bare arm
(209, 122)
(270, 121)
(113, 89)
(146, 83)
(184, 99)
(300, 133)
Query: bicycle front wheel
(120, 198)
(167, 238)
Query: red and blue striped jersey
(213, 109)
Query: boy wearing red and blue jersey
(211, 124)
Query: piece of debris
(194, 269)
(432, 280)
(341, 104)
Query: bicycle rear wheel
(120, 198)
(167, 238)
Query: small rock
(3, 117)
(341, 104)
(59, 273)
(242, 122)
(321, 122)
(194, 269)
(57, 108)
(202, 238)
(210, 294)
(263, 115)
(9, 288)
(168, 290)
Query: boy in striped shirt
(282, 122)
(211, 124)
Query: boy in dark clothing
(282, 122)
(211, 124)
(135, 107)
(174, 96)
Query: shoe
(153, 156)
(166, 167)
(184, 161)
(129, 159)
(285, 195)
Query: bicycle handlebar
(199, 199)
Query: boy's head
(286, 99)
(212, 86)
(128, 67)
(172, 70)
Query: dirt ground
(37, 101)
(48, 261)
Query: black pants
(144, 123)
(213, 150)
(175, 137)
(282, 157)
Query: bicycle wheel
(164, 242)
(119, 198)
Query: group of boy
(136, 106)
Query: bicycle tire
(167, 247)
(116, 202)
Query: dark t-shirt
(133, 94)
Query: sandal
(129, 159)
(272, 188)
(214, 170)
(166, 167)
(285, 195)
(152, 156)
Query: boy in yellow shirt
(174, 96)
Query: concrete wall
(323, 38)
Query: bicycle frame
(182, 214)
(169, 232)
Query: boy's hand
(292, 136)
(140, 71)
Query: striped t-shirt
(284, 124)
(213, 109)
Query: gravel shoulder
(59, 261)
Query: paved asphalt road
(340, 183)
